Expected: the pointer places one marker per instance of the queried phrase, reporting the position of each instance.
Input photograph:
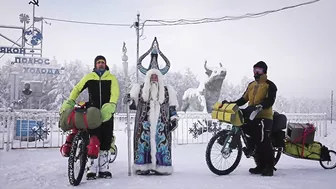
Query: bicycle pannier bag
(90, 118)
(279, 122)
(228, 113)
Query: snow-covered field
(46, 169)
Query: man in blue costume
(155, 119)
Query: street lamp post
(125, 67)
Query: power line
(90, 23)
(186, 21)
(224, 18)
(183, 21)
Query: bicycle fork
(231, 140)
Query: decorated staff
(155, 51)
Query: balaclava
(259, 69)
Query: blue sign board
(24, 127)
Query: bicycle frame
(236, 133)
(233, 141)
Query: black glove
(247, 112)
(225, 101)
(127, 99)
(173, 125)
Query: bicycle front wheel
(221, 142)
(78, 145)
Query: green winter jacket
(104, 89)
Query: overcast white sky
(299, 45)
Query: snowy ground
(46, 169)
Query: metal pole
(137, 26)
(42, 35)
(125, 66)
(23, 34)
(11, 27)
(33, 25)
(129, 141)
(331, 108)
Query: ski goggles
(258, 70)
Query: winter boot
(259, 168)
(269, 166)
(93, 147)
(139, 172)
(92, 169)
(66, 147)
(104, 165)
(268, 171)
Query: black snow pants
(258, 134)
(104, 134)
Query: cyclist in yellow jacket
(103, 89)
(260, 94)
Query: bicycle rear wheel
(79, 144)
(277, 154)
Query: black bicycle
(229, 144)
(79, 144)
(229, 141)
(78, 152)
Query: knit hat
(100, 57)
(261, 64)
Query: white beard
(154, 91)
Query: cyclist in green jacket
(104, 93)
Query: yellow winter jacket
(260, 92)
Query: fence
(39, 129)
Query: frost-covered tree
(181, 82)
(57, 88)
(119, 73)
(64, 83)
(281, 104)
(232, 92)
(4, 85)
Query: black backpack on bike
(279, 124)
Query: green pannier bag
(81, 119)
(311, 151)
